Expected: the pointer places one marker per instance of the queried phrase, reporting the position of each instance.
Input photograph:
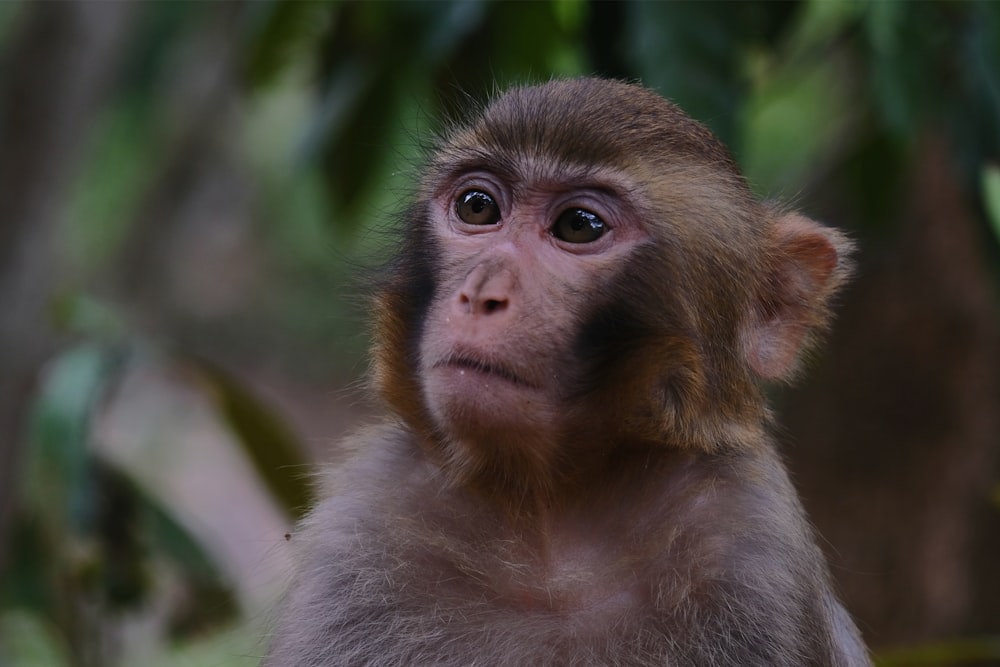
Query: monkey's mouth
(483, 367)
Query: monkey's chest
(567, 581)
(567, 584)
(465, 609)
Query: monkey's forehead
(592, 121)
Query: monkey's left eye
(577, 225)
(476, 207)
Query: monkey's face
(584, 268)
(523, 252)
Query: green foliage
(10, 12)
(934, 66)
(695, 53)
(995, 496)
(231, 647)
(266, 441)
(981, 651)
(990, 180)
(377, 57)
(84, 315)
(26, 640)
(89, 536)
(100, 207)
(794, 117)
(60, 475)
(278, 34)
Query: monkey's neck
(546, 529)
(532, 491)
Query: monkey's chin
(473, 402)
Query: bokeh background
(192, 196)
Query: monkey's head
(585, 268)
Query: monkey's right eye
(476, 207)
(578, 225)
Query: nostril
(494, 305)
(481, 305)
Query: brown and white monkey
(578, 468)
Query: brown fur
(578, 469)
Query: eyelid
(479, 181)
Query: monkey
(578, 466)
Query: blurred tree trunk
(895, 439)
(54, 75)
(203, 109)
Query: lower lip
(481, 374)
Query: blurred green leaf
(936, 65)
(98, 529)
(570, 14)
(990, 184)
(91, 542)
(59, 503)
(795, 118)
(278, 33)
(381, 55)
(9, 13)
(125, 145)
(544, 42)
(376, 52)
(974, 115)
(81, 314)
(26, 640)
(819, 23)
(959, 652)
(694, 53)
(892, 74)
(236, 647)
(267, 442)
(29, 560)
(212, 602)
(59, 463)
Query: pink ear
(806, 265)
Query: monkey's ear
(806, 265)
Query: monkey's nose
(485, 293)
